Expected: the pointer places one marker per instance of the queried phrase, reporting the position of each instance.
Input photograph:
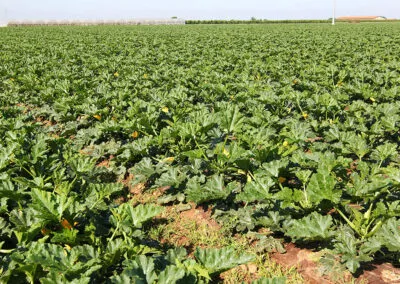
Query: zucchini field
(278, 134)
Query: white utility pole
(334, 12)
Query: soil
(182, 226)
(200, 216)
(382, 273)
(306, 262)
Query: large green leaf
(49, 206)
(135, 216)
(213, 189)
(256, 190)
(171, 274)
(219, 260)
(79, 261)
(312, 227)
(99, 193)
(388, 235)
(322, 187)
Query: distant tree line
(264, 21)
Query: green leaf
(39, 149)
(135, 216)
(290, 197)
(7, 190)
(352, 264)
(22, 219)
(385, 151)
(347, 245)
(321, 187)
(171, 274)
(232, 119)
(213, 189)
(389, 235)
(45, 204)
(256, 190)
(219, 260)
(77, 262)
(6, 153)
(174, 254)
(99, 193)
(26, 225)
(49, 206)
(355, 144)
(59, 278)
(146, 264)
(274, 167)
(303, 175)
(139, 270)
(313, 227)
(275, 280)
(195, 269)
(143, 170)
(66, 236)
(172, 177)
(241, 219)
(114, 250)
(124, 279)
(272, 220)
(82, 165)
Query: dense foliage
(294, 128)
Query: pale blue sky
(193, 9)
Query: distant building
(361, 18)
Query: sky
(191, 9)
